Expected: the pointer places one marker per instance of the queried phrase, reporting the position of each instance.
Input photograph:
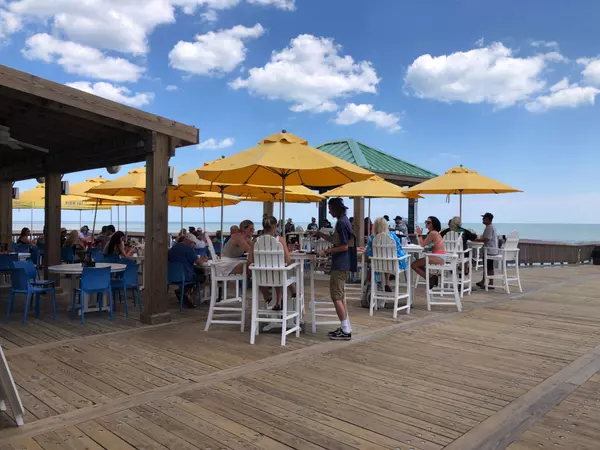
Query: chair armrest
(278, 269)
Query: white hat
(190, 237)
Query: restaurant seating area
(440, 373)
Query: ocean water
(539, 231)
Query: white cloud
(214, 52)
(485, 75)
(449, 155)
(545, 44)
(113, 92)
(287, 5)
(121, 25)
(354, 113)
(171, 88)
(591, 70)
(564, 95)
(79, 59)
(311, 74)
(9, 23)
(214, 144)
(480, 42)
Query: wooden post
(359, 221)
(6, 213)
(52, 250)
(322, 212)
(412, 214)
(268, 208)
(156, 233)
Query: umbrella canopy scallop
(374, 187)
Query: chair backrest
(19, 279)
(175, 274)
(322, 245)
(211, 248)
(130, 276)
(453, 242)
(114, 258)
(511, 246)
(95, 278)
(28, 267)
(96, 253)
(127, 261)
(269, 254)
(385, 254)
(6, 261)
(22, 248)
(68, 255)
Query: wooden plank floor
(430, 380)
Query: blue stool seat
(94, 280)
(23, 281)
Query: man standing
(84, 234)
(312, 226)
(184, 253)
(400, 227)
(490, 244)
(340, 266)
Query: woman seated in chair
(116, 246)
(455, 224)
(434, 243)
(75, 243)
(381, 226)
(239, 245)
(25, 237)
(270, 229)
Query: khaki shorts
(337, 281)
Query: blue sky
(508, 90)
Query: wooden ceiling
(80, 131)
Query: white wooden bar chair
(454, 243)
(507, 254)
(477, 251)
(229, 310)
(446, 293)
(269, 270)
(385, 260)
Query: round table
(75, 270)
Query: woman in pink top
(433, 240)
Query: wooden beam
(60, 96)
(156, 232)
(52, 248)
(359, 221)
(5, 214)
(412, 214)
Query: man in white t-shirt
(490, 243)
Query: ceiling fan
(5, 139)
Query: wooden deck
(510, 369)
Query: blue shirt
(399, 252)
(185, 255)
(342, 235)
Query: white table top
(77, 269)
(475, 244)
(412, 248)
(303, 255)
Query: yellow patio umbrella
(374, 187)
(285, 159)
(35, 199)
(207, 200)
(294, 194)
(459, 181)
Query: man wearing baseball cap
(183, 252)
(490, 244)
(340, 266)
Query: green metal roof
(372, 159)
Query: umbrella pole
(118, 218)
(204, 218)
(222, 211)
(111, 208)
(95, 214)
(283, 207)
(181, 213)
(79, 218)
(125, 221)
(460, 207)
(31, 220)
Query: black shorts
(490, 264)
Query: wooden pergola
(55, 129)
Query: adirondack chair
(507, 254)
(385, 260)
(454, 243)
(447, 291)
(269, 270)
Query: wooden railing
(544, 252)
